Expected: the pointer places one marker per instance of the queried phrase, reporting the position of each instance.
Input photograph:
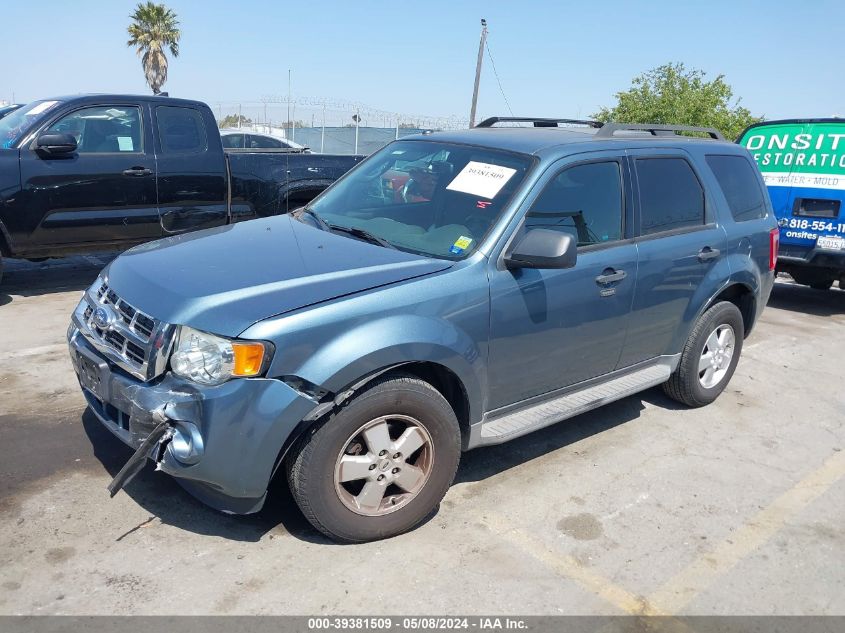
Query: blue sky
(553, 58)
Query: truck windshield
(425, 197)
(14, 126)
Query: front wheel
(379, 465)
(709, 357)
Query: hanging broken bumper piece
(161, 436)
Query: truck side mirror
(542, 248)
(55, 144)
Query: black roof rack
(655, 129)
(538, 122)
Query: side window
(263, 142)
(103, 129)
(585, 201)
(738, 181)
(233, 141)
(670, 195)
(181, 130)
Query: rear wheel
(817, 280)
(380, 465)
(709, 357)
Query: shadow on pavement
(795, 298)
(162, 497)
(29, 279)
(481, 463)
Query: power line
(498, 81)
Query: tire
(334, 470)
(813, 278)
(689, 384)
(821, 285)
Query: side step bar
(496, 429)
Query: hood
(223, 280)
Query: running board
(507, 426)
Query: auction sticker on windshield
(481, 179)
(41, 107)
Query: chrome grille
(135, 341)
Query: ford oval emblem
(103, 318)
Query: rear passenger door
(682, 252)
(192, 179)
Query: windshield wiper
(297, 213)
(363, 234)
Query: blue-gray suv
(455, 290)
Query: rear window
(670, 195)
(181, 130)
(738, 181)
(264, 142)
(233, 141)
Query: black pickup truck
(98, 172)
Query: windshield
(14, 126)
(426, 197)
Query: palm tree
(154, 27)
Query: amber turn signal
(249, 357)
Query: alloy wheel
(384, 465)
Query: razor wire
(314, 111)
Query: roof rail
(656, 129)
(538, 122)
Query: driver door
(105, 192)
(554, 328)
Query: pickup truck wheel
(822, 285)
(817, 280)
(709, 357)
(379, 465)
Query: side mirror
(542, 248)
(56, 143)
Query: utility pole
(323, 133)
(478, 71)
(357, 118)
(288, 123)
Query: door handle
(609, 275)
(707, 253)
(137, 171)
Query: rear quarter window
(738, 181)
(181, 130)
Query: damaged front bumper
(222, 443)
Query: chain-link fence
(328, 125)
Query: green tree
(672, 94)
(154, 28)
(231, 120)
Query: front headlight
(211, 360)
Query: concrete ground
(639, 507)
